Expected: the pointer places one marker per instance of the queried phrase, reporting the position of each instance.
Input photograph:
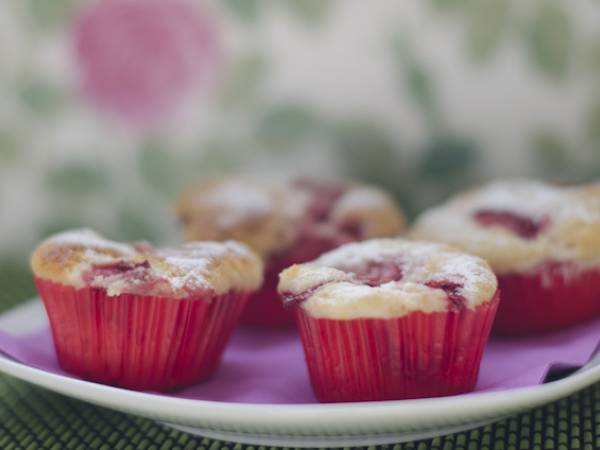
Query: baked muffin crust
(82, 258)
(517, 225)
(271, 215)
(388, 278)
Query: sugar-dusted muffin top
(387, 278)
(272, 215)
(518, 225)
(82, 258)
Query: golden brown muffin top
(516, 225)
(82, 258)
(271, 215)
(387, 278)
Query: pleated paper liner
(553, 297)
(265, 308)
(414, 356)
(136, 341)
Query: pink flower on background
(139, 58)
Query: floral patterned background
(111, 106)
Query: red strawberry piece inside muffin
(522, 225)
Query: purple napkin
(268, 366)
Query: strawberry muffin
(541, 240)
(139, 317)
(392, 319)
(286, 222)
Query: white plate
(347, 424)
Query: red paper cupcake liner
(265, 308)
(415, 356)
(555, 296)
(136, 341)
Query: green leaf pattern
(247, 11)
(273, 101)
(243, 81)
(486, 23)
(310, 12)
(40, 97)
(157, 167)
(77, 179)
(286, 125)
(49, 14)
(549, 39)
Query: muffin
(139, 317)
(541, 240)
(286, 222)
(392, 319)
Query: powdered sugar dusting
(272, 215)
(90, 240)
(568, 219)
(361, 198)
(239, 201)
(533, 199)
(421, 263)
(187, 266)
(141, 269)
(529, 198)
(189, 273)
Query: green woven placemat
(33, 418)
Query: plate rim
(279, 419)
(283, 412)
(314, 425)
